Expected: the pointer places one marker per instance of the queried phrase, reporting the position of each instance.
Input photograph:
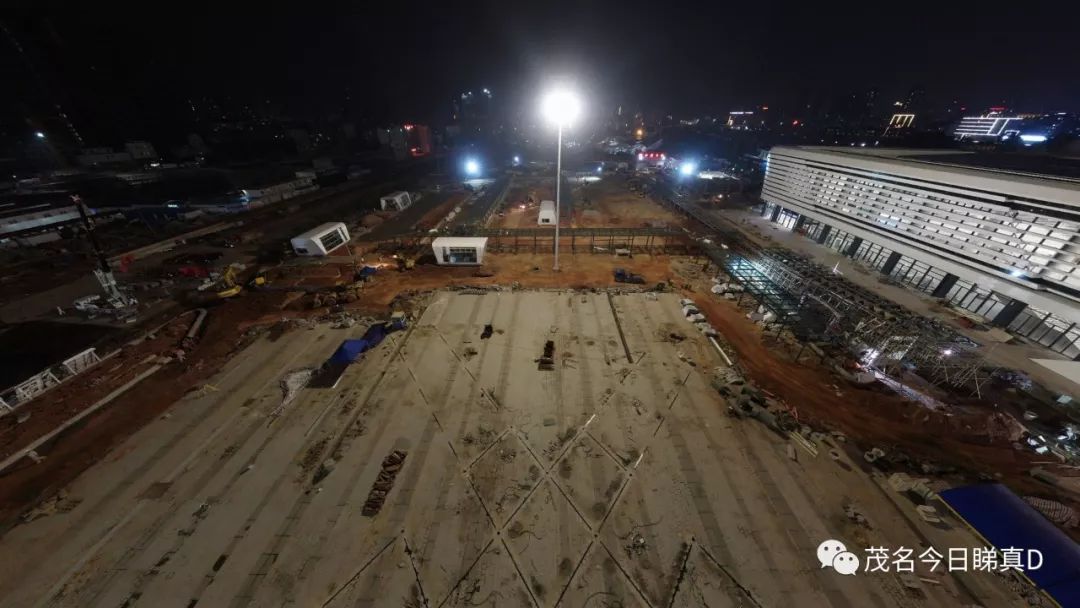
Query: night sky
(404, 61)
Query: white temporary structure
(321, 240)
(547, 213)
(396, 201)
(459, 250)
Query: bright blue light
(517, 159)
(640, 156)
(599, 169)
(1016, 272)
(472, 167)
(688, 168)
(1032, 138)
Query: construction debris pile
(291, 385)
(748, 401)
(694, 316)
(391, 465)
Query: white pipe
(197, 323)
(722, 353)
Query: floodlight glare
(561, 107)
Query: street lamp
(560, 107)
(472, 166)
(40, 135)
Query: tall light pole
(560, 107)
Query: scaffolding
(817, 304)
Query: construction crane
(117, 299)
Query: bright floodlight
(40, 135)
(517, 159)
(688, 168)
(560, 107)
(472, 167)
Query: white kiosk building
(459, 250)
(396, 201)
(547, 213)
(321, 240)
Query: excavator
(231, 287)
(404, 261)
(228, 281)
(228, 285)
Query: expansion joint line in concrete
(356, 575)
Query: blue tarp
(349, 351)
(375, 335)
(1005, 520)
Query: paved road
(402, 223)
(478, 210)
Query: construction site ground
(521, 207)
(229, 326)
(609, 203)
(602, 204)
(198, 487)
(613, 479)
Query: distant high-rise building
(740, 119)
(141, 150)
(899, 122)
(419, 139)
(857, 111)
(988, 127)
(914, 101)
(869, 106)
(473, 107)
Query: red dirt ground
(25, 483)
(870, 417)
(867, 417)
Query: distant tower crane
(116, 298)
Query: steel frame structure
(800, 292)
